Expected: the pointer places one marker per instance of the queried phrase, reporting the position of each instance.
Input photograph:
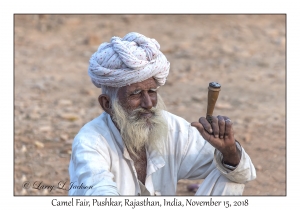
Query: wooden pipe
(213, 92)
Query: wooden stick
(213, 92)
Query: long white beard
(138, 131)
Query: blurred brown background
(54, 97)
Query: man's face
(139, 95)
(139, 117)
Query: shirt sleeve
(245, 170)
(90, 166)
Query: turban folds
(129, 60)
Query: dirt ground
(54, 98)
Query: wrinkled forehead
(144, 85)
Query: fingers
(207, 136)
(221, 127)
(228, 129)
(206, 125)
(221, 122)
(218, 127)
(215, 126)
(201, 129)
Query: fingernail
(216, 136)
(221, 137)
(210, 130)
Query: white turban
(132, 59)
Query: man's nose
(146, 101)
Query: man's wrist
(232, 161)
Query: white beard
(138, 131)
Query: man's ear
(105, 103)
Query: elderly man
(136, 147)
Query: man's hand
(220, 135)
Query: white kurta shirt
(101, 162)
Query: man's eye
(136, 92)
(152, 90)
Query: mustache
(140, 111)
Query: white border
(156, 6)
